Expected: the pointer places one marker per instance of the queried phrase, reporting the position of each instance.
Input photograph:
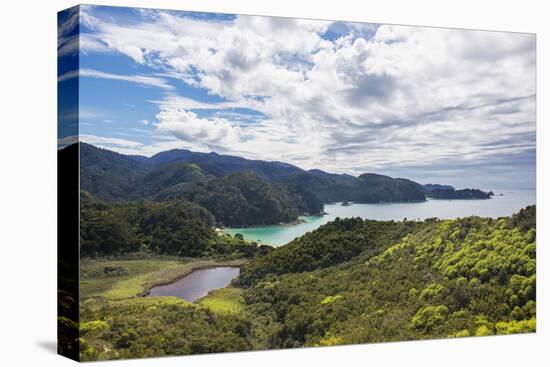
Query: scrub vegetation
(350, 281)
(147, 222)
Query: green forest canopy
(387, 281)
(176, 227)
(238, 191)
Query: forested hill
(239, 199)
(464, 194)
(106, 174)
(115, 177)
(243, 199)
(355, 281)
(448, 192)
(350, 281)
(176, 227)
(222, 165)
(367, 188)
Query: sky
(433, 105)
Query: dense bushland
(244, 199)
(175, 227)
(350, 281)
(470, 276)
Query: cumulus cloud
(367, 98)
(185, 125)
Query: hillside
(167, 180)
(114, 177)
(464, 194)
(367, 188)
(470, 276)
(177, 228)
(243, 199)
(431, 187)
(222, 165)
(106, 174)
(350, 281)
(239, 199)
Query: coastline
(295, 222)
(278, 235)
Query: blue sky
(433, 105)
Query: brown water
(198, 283)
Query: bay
(505, 202)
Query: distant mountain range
(179, 173)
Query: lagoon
(198, 283)
(505, 202)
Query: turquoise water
(510, 202)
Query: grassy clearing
(121, 279)
(224, 300)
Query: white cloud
(406, 95)
(138, 79)
(185, 125)
(66, 141)
(143, 80)
(87, 43)
(68, 75)
(174, 102)
(109, 142)
(68, 21)
(67, 46)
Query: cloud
(185, 125)
(371, 87)
(67, 38)
(172, 101)
(68, 46)
(143, 80)
(345, 97)
(89, 44)
(138, 79)
(66, 141)
(109, 142)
